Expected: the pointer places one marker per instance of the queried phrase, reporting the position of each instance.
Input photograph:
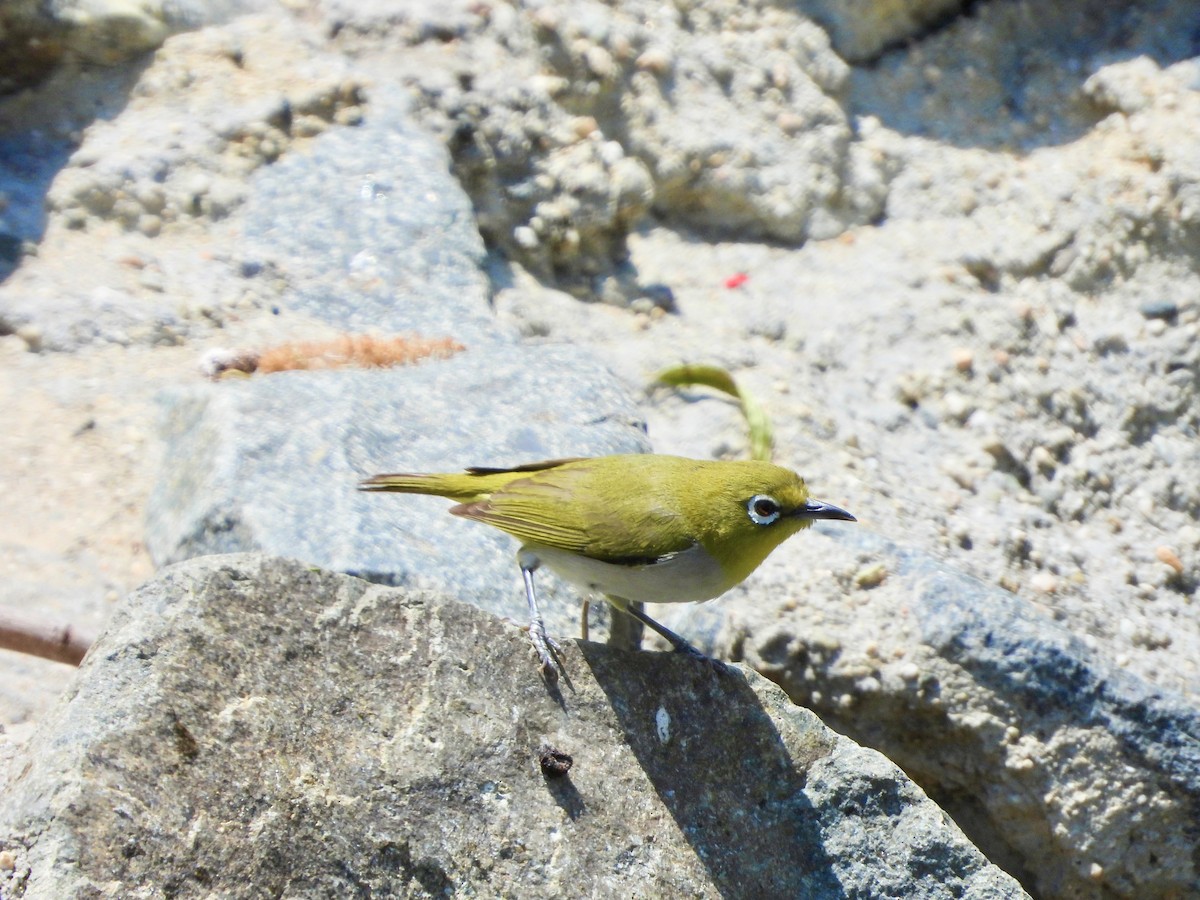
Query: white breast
(685, 577)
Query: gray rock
(166, 146)
(984, 78)
(1072, 774)
(250, 726)
(365, 230)
(177, 154)
(272, 464)
(566, 123)
(371, 232)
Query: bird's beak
(815, 509)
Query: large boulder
(252, 726)
(1074, 774)
(272, 463)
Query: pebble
(957, 406)
(584, 126)
(1113, 342)
(152, 280)
(964, 476)
(1159, 309)
(1043, 459)
(150, 225)
(1045, 582)
(661, 295)
(600, 62)
(546, 18)
(654, 60)
(773, 329)
(32, 336)
(871, 576)
(1169, 557)
(525, 237)
(790, 122)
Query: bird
(636, 528)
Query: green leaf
(762, 438)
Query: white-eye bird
(635, 528)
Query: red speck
(737, 280)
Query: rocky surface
(724, 116)
(150, 183)
(974, 324)
(38, 37)
(249, 725)
(1069, 771)
(861, 30)
(271, 464)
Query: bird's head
(753, 508)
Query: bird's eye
(763, 509)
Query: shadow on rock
(720, 765)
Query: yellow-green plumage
(638, 527)
(622, 509)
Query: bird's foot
(547, 650)
(717, 666)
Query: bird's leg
(634, 610)
(537, 628)
(624, 631)
(583, 620)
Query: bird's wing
(562, 508)
(526, 467)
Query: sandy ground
(78, 457)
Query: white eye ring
(763, 509)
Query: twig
(61, 643)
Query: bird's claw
(688, 650)
(547, 650)
(715, 665)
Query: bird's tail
(471, 485)
(453, 487)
